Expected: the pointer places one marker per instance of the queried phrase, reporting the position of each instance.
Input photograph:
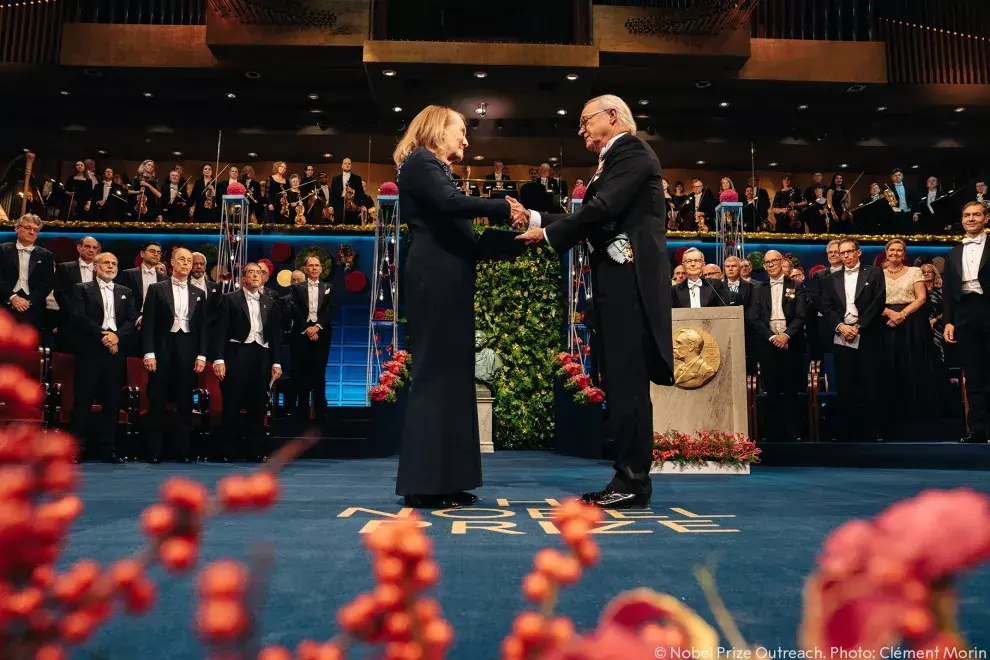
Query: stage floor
(764, 530)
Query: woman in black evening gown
(82, 191)
(441, 454)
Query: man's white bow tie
(973, 241)
(181, 285)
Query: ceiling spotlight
(64, 92)
(397, 108)
(480, 74)
(552, 159)
(482, 109)
(961, 109)
(388, 73)
(231, 95)
(774, 164)
(313, 97)
(315, 111)
(253, 75)
(252, 154)
(148, 95)
(642, 116)
(644, 102)
(844, 166)
(102, 152)
(26, 150)
(703, 84)
(881, 108)
(479, 157)
(572, 76)
(328, 155)
(176, 153)
(855, 88)
(914, 167)
(723, 104)
(803, 106)
(562, 112)
(700, 162)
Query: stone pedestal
(720, 401)
(486, 419)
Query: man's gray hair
(29, 217)
(834, 242)
(199, 254)
(623, 115)
(694, 249)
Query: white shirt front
(173, 190)
(902, 204)
(931, 198)
(257, 333)
(23, 267)
(544, 182)
(109, 317)
(834, 269)
(180, 295)
(979, 197)
(971, 257)
(733, 286)
(85, 272)
(694, 293)
(148, 277)
(106, 189)
(345, 178)
(850, 279)
(314, 300)
(778, 322)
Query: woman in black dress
(441, 454)
(145, 194)
(206, 205)
(81, 193)
(274, 189)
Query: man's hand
(519, 214)
(137, 324)
(114, 349)
(780, 341)
(312, 332)
(915, 217)
(532, 236)
(20, 304)
(220, 370)
(109, 339)
(276, 372)
(950, 333)
(848, 331)
(199, 366)
(151, 364)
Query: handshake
(520, 221)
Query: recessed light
(773, 164)
(397, 109)
(102, 152)
(961, 109)
(803, 106)
(148, 95)
(252, 154)
(253, 75)
(26, 150)
(703, 84)
(64, 92)
(480, 74)
(176, 153)
(644, 102)
(328, 155)
(231, 95)
(844, 166)
(552, 159)
(881, 108)
(914, 167)
(313, 97)
(642, 116)
(572, 76)
(315, 111)
(855, 88)
(479, 157)
(388, 72)
(562, 112)
(723, 104)
(700, 162)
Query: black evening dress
(273, 195)
(200, 198)
(82, 190)
(440, 454)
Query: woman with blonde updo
(275, 186)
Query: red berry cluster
(223, 617)
(536, 633)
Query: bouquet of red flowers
(703, 447)
(572, 372)
(346, 256)
(394, 375)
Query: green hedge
(519, 307)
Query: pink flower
(594, 394)
(382, 393)
(400, 356)
(581, 381)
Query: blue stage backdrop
(347, 366)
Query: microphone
(705, 280)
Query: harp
(19, 191)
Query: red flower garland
(572, 372)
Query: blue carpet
(781, 516)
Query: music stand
(875, 217)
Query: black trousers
(973, 336)
(309, 370)
(173, 382)
(245, 388)
(627, 347)
(100, 376)
(780, 372)
(34, 315)
(857, 401)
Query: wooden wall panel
(94, 45)
(610, 35)
(351, 28)
(797, 60)
(488, 54)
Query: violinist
(278, 212)
(253, 194)
(320, 208)
(837, 202)
(815, 205)
(294, 198)
(80, 193)
(308, 178)
(928, 218)
(175, 200)
(874, 195)
(145, 193)
(784, 213)
(91, 172)
(232, 177)
(109, 199)
(205, 203)
(339, 193)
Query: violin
(208, 194)
(285, 206)
(328, 213)
(349, 204)
(300, 214)
(142, 202)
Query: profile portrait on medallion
(696, 358)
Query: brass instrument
(891, 198)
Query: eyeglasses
(583, 123)
(845, 252)
(692, 261)
(773, 262)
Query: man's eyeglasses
(583, 122)
(845, 252)
(773, 262)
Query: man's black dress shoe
(974, 439)
(111, 457)
(430, 502)
(591, 498)
(463, 498)
(155, 460)
(613, 500)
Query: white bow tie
(21, 248)
(86, 266)
(694, 285)
(852, 270)
(313, 284)
(106, 285)
(253, 296)
(779, 283)
(181, 285)
(149, 272)
(973, 241)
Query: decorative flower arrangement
(576, 380)
(732, 449)
(236, 188)
(346, 257)
(389, 189)
(728, 196)
(381, 314)
(794, 260)
(579, 192)
(394, 374)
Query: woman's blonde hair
(277, 164)
(896, 241)
(426, 130)
(937, 280)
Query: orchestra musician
(345, 202)
(91, 172)
(837, 205)
(320, 210)
(80, 192)
(275, 186)
(929, 219)
(174, 200)
(295, 198)
(468, 187)
(233, 175)
(253, 192)
(308, 177)
(784, 213)
(754, 212)
(109, 199)
(905, 218)
(145, 193)
(701, 204)
(204, 203)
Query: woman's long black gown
(440, 447)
